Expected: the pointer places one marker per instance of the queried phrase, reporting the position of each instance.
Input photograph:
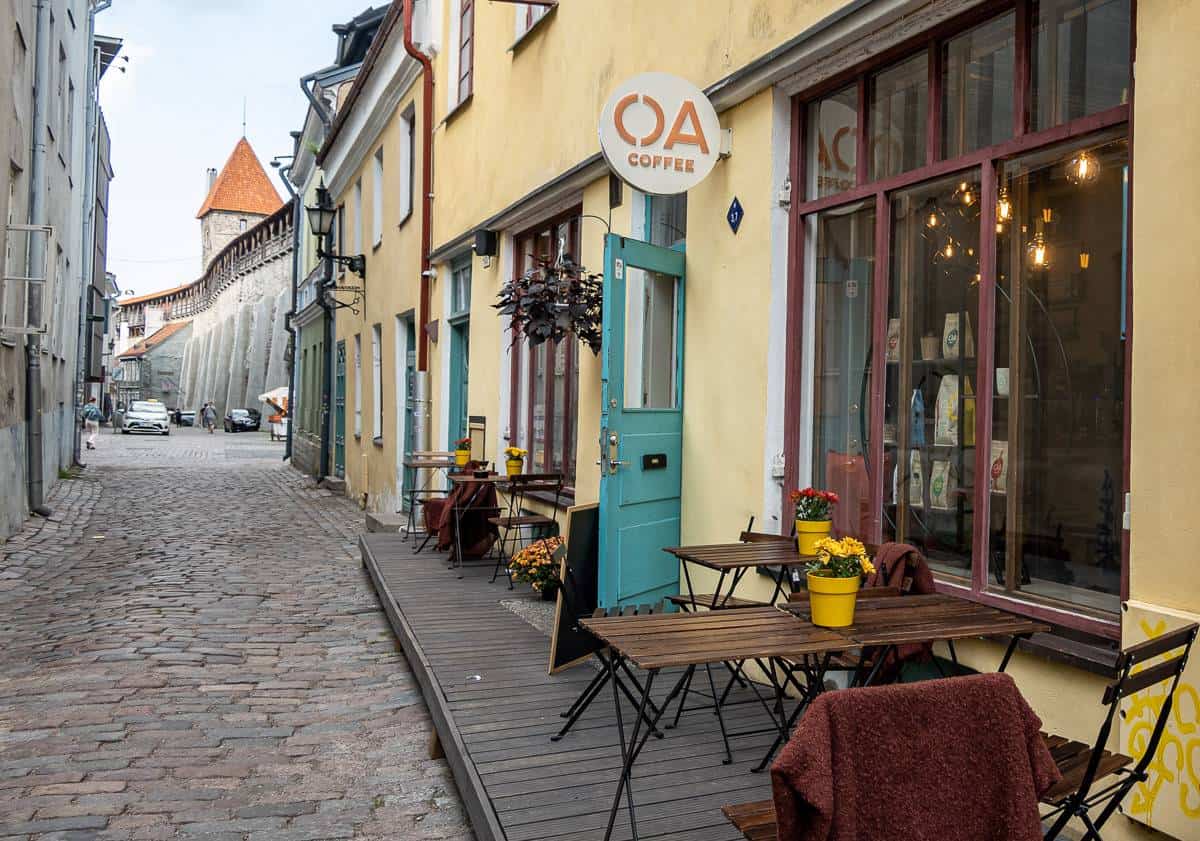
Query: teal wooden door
(641, 424)
(410, 400)
(339, 413)
(460, 355)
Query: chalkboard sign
(580, 571)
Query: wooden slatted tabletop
(659, 641)
(428, 464)
(916, 619)
(732, 556)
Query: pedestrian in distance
(209, 415)
(91, 422)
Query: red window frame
(466, 49)
(522, 354)
(985, 161)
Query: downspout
(37, 263)
(87, 246)
(326, 281)
(421, 384)
(297, 220)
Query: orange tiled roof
(154, 339)
(242, 186)
(141, 299)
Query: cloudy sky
(177, 110)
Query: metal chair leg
(720, 716)
(687, 686)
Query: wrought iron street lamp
(320, 219)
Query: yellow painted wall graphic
(1169, 799)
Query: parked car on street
(242, 420)
(187, 418)
(146, 416)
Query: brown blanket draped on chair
(902, 566)
(960, 759)
(477, 501)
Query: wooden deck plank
(516, 784)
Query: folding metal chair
(1083, 766)
(514, 520)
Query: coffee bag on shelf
(916, 480)
(998, 470)
(893, 340)
(945, 424)
(943, 485)
(957, 339)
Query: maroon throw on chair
(902, 566)
(960, 759)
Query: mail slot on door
(654, 461)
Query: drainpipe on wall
(87, 245)
(326, 282)
(421, 383)
(297, 224)
(36, 266)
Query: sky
(177, 110)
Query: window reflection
(844, 247)
(899, 97)
(1080, 59)
(832, 143)
(1056, 480)
(977, 83)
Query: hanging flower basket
(555, 299)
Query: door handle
(613, 461)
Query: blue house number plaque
(735, 215)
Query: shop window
(930, 355)
(899, 99)
(832, 144)
(545, 378)
(1058, 419)
(842, 243)
(1080, 59)
(977, 86)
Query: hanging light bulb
(1083, 169)
(966, 193)
(1038, 253)
(1047, 215)
(1084, 259)
(931, 221)
(1003, 206)
(948, 251)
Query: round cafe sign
(660, 133)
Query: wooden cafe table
(654, 642)
(732, 561)
(780, 637)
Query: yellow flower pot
(808, 532)
(513, 466)
(461, 457)
(832, 600)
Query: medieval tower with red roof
(239, 197)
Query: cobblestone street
(189, 648)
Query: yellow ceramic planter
(513, 466)
(808, 532)
(832, 600)
(461, 457)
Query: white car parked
(146, 416)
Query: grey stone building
(152, 368)
(49, 138)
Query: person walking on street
(209, 415)
(91, 422)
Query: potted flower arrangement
(514, 458)
(537, 564)
(462, 451)
(814, 510)
(834, 579)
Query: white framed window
(358, 214)
(377, 379)
(357, 385)
(406, 165)
(377, 198)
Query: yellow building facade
(814, 328)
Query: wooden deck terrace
(482, 670)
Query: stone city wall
(238, 341)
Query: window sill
(378, 243)
(565, 500)
(404, 220)
(378, 442)
(458, 109)
(522, 39)
(358, 437)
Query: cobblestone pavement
(189, 648)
